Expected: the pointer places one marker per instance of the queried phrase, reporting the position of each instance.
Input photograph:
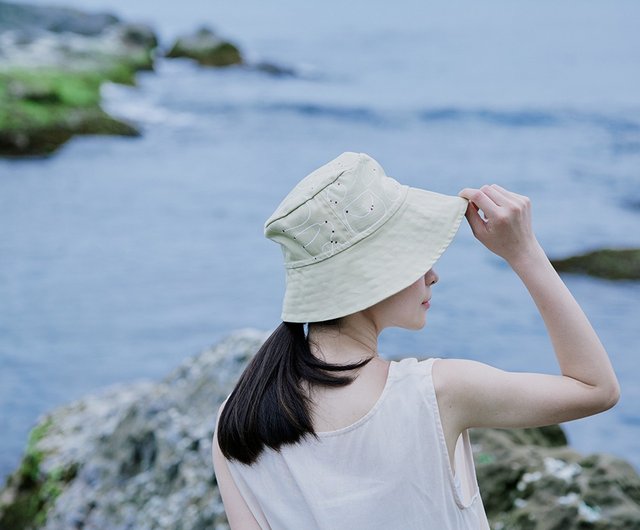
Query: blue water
(120, 257)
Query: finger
(476, 223)
(500, 188)
(496, 196)
(480, 199)
(511, 193)
(499, 195)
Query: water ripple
(360, 114)
(517, 118)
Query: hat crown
(333, 208)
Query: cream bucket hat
(351, 236)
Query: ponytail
(267, 406)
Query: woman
(322, 432)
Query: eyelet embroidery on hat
(356, 219)
(352, 224)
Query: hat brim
(380, 265)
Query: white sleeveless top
(388, 470)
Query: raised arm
(477, 395)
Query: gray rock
(138, 35)
(138, 457)
(207, 48)
(38, 36)
(133, 457)
(26, 18)
(275, 69)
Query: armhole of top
(463, 483)
(245, 492)
(252, 503)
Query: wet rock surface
(139, 456)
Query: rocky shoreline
(139, 456)
(53, 61)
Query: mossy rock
(31, 490)
(43, 141)
(206, 48)
(50, 83)
(530, 479)
(613, 264)
(42, 109)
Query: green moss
(34, 490)
(29, 470)
(141, 60)
(121, 72)
(39, 97)
(32, 501)
(41, 109)
(621, 264)
(225, 54)
(484, 458)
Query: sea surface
(121, 257)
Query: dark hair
(268, 407)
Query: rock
(136, 456)
(41, 109)
(207, 48)
(620, 264)
(53, 62)
(138, 35)
(23, 18)
(275, 69)
(553, 488)
(139, 456)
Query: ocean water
(120, 257)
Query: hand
(481, 396)
(506, 229)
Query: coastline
(53, 62)
(139, 455)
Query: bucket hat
(352, 236)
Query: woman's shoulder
(413, 372)
(412, 366)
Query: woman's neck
(354, 338)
